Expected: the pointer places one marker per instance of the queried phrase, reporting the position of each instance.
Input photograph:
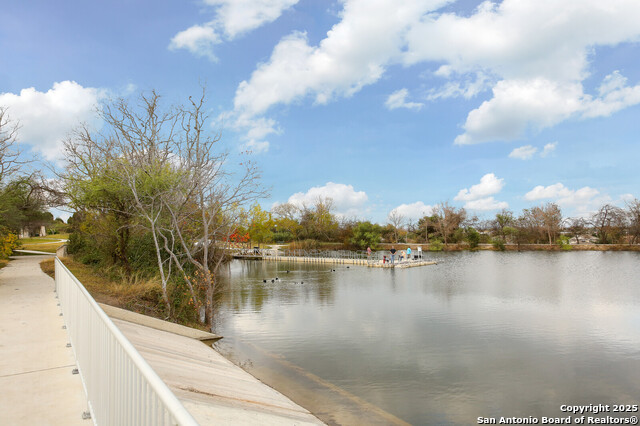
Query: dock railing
(375, 256)
(121, 387)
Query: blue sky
(378, 104)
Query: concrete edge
(159, 324)
(35, 252)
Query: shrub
(563, 242)
(84, 248)
(436, 245)
(498, 244)
(8, 242)
(473, 238)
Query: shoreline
(517, 247)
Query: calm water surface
(480, 334)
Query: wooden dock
(338, 261)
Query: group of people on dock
(404, 254)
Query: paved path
(212, 388)
(36, 384)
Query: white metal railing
(121, 387)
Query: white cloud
(627, 198)
(518, 105)
(614, 95)
(486, 204)
(236, 17)
(47, 117)
(524, 152)
(354, 54)
(466, 88)
(489, 185)
(536, 75)
(548, 149)
(346, 200)
(413, 211)
(540, 192)
(197, 39)
(398, 99)
(478, 197)
(540, 73)
(256, 147)
(232, 18)
(583, 200)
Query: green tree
(260, 224)
(473, 237)
(503, 220)
(318, 222)
(366, 234)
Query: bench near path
(37, 386)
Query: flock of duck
(301, 282)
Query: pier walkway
(344, 257)
(37, 386)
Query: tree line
(446, 225)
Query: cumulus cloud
(519, 105)
(539, 74)
(540, 192)
(232, 18)
(489, 185)
(583, 200)
(535, 76)
(614, 95)
(479, 196)
(398, 99)
(197, 39)
(413, 211)
(355, 53)
(485, 204)
(465, 87)
(524, 152)
(527, 152)
(548, 149)
(47, 117)
(627, 198)
(346, 200)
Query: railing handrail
(173, 406)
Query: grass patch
(3, 263)
(46, 247)
(135, 293)
(111, 286)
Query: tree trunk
(208, 315)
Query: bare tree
(633, 219)
(609, 224)
(542, 222)
(448, 219)
(576, 226)
(287, 211)
(179, 186)
(396, 220)
(9, 155)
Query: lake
(481, 334)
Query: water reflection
(479, 334)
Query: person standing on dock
(420, 252)
(393, 254)
(368, 251)
(408, 253)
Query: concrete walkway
(212, 388)
(36, 383)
